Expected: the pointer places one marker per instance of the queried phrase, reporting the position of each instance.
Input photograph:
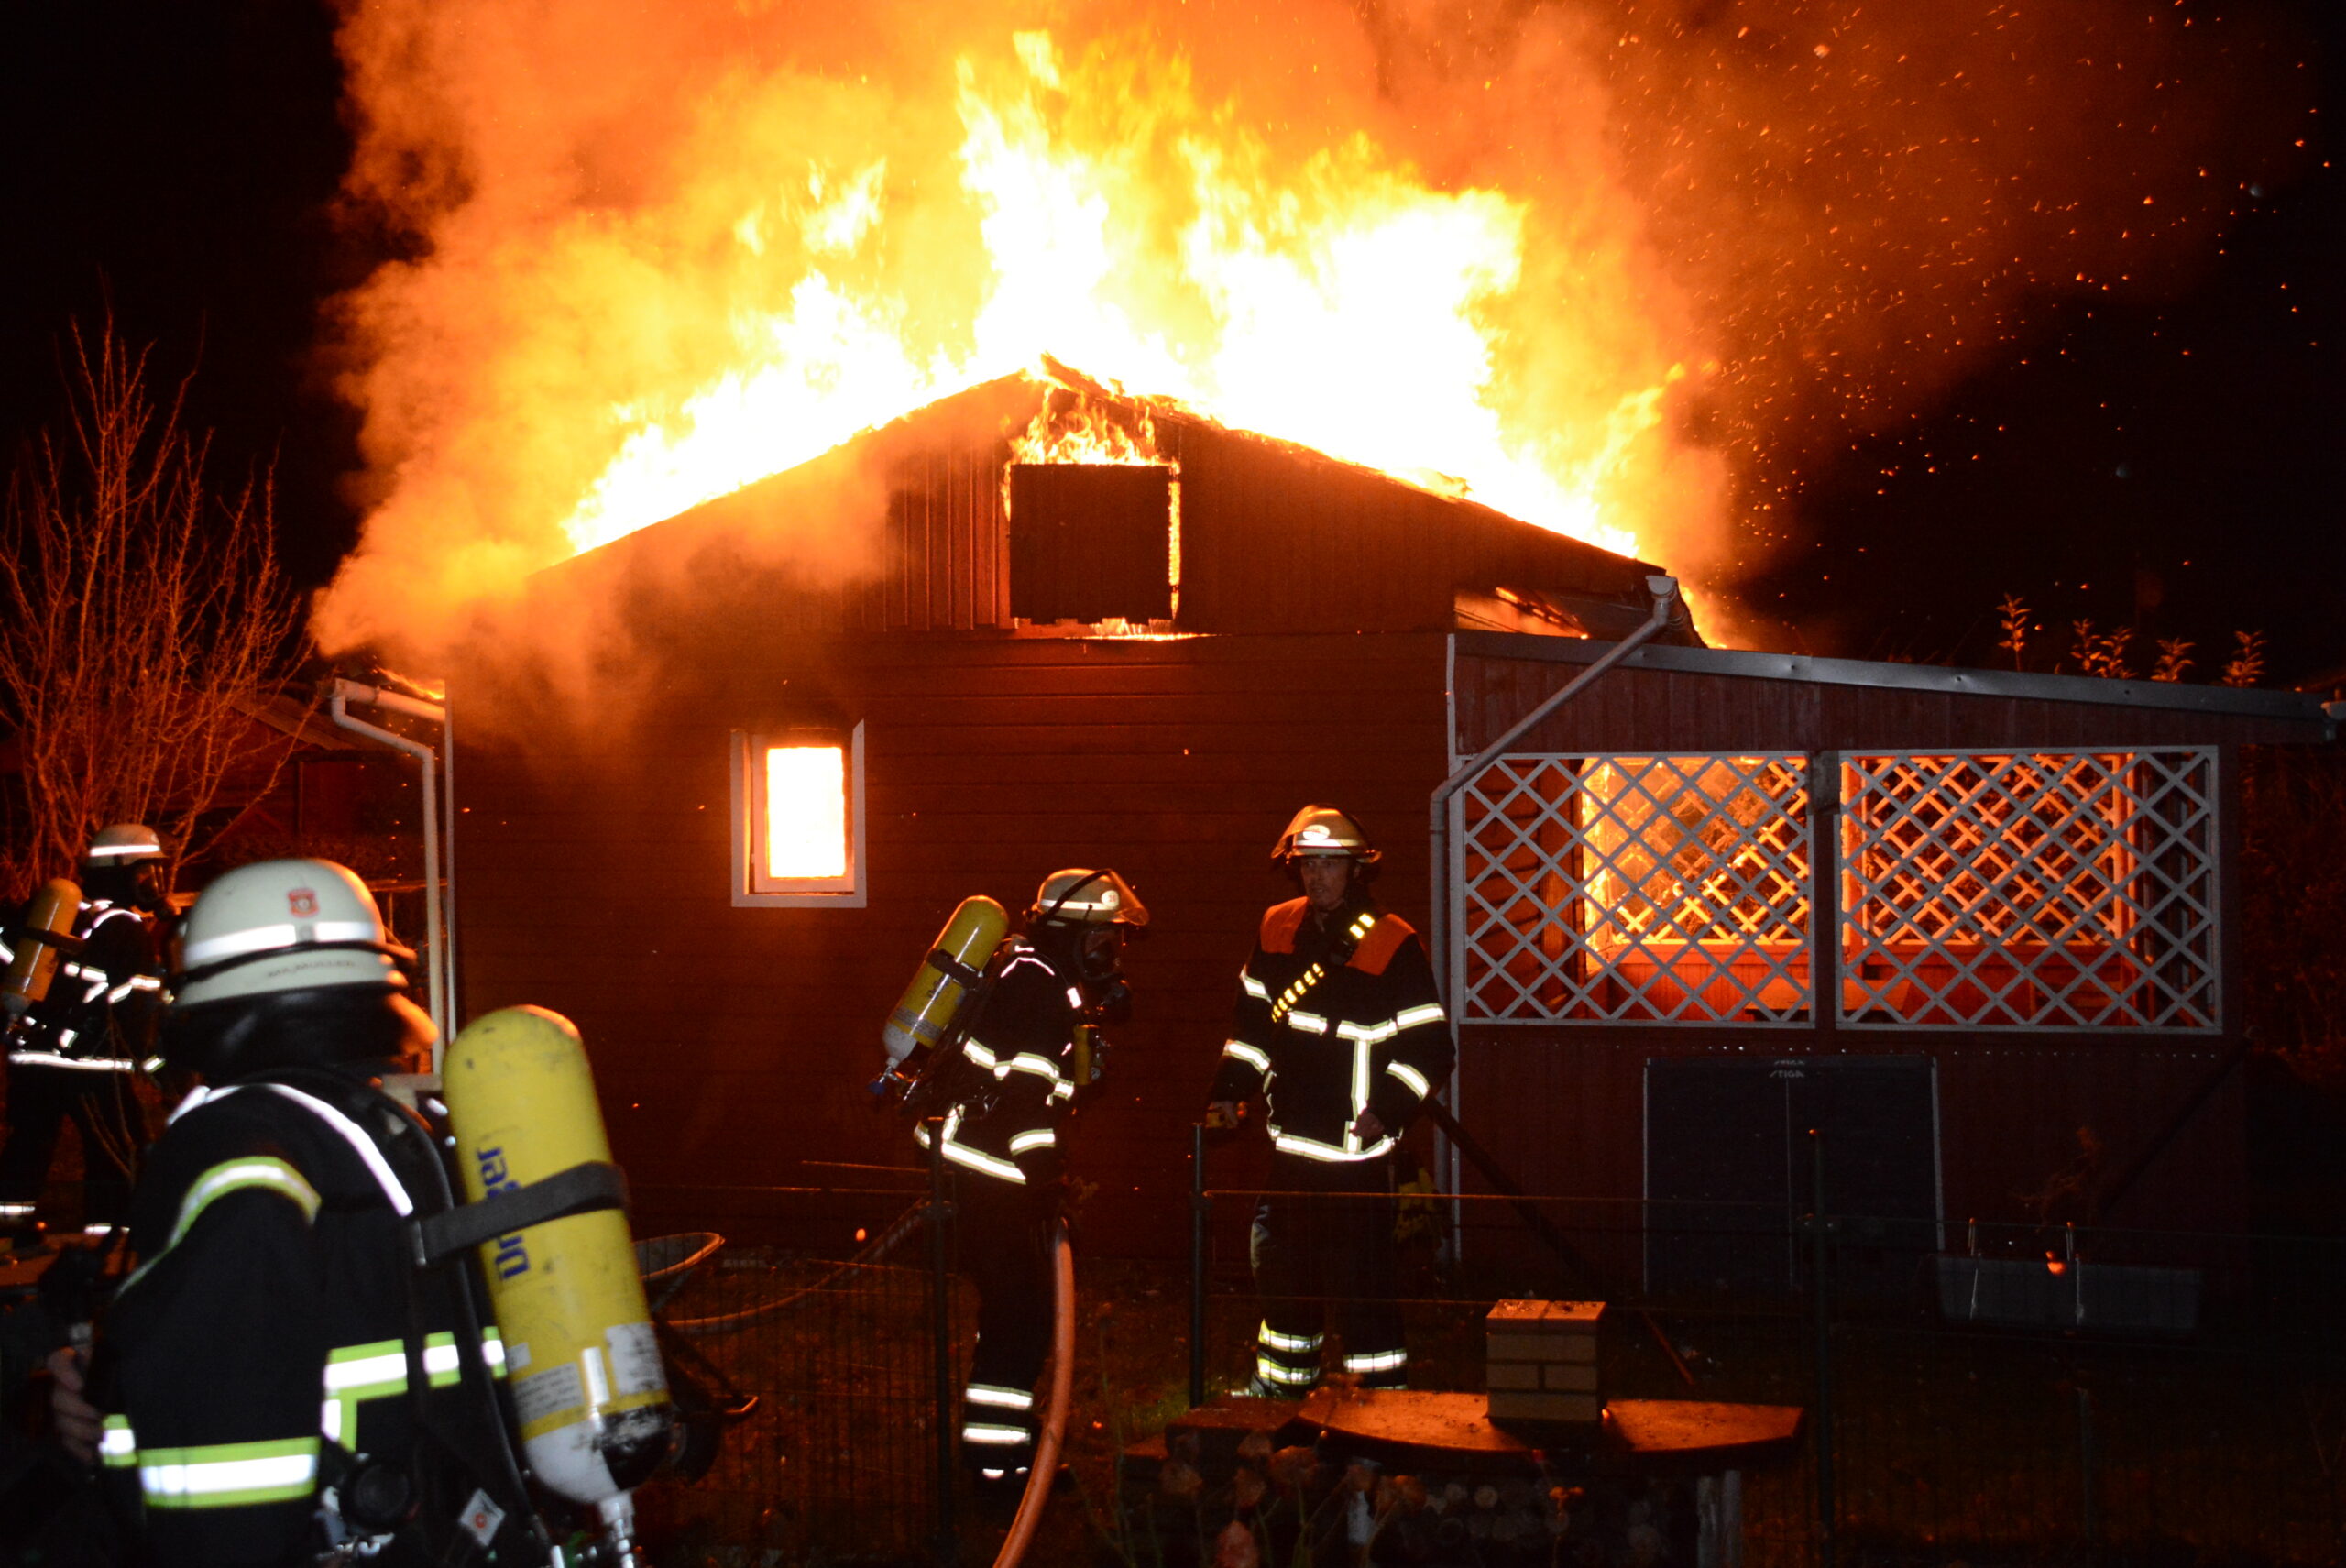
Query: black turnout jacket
(1023, 1041)
(1335, 1015)
(102, 1007)
(264, 1342)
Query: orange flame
(1072, 427)
(655, 253)
(1339, 307)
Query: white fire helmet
(1082, 896)
(280, 926)
(1322, 831)
(124, 844)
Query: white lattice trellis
(1650, 889)
(2030, 890)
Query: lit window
(798, 817)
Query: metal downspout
(437, 964)
(1446, 969)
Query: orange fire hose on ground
(1047, 1437)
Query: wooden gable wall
(732, 1045)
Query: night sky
(2177, 467)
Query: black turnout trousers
(1003, 1242)
(1320, 1253)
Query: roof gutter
(439, 988)
(1665, 603)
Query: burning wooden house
(1949, 916)
(726, 878)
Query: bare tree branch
(142, 613)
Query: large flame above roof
(1341, 302)
(1564, 257)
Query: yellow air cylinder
(583, 1361)
(25, 984)
(945, 977)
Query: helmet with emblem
(1323, 830)
(285, 963)
(1082, 896)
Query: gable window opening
(798, 835)
(1095, 548)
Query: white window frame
(848, 891)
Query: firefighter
(255, 1371)
(1003, 1140)
(1338, 1029)
(78, 1052)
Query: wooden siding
(1564, 1108)
(733, 1043)
(1274, 537)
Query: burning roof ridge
(1050, 373)
(1161, 405)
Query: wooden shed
(1149, 665)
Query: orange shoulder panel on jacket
(1384, 939)
(1281, 922)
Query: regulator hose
(1046, 1468)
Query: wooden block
(1513, 1374)
(1568, 1377)
(1575, 1317)
(1516, 1317)
(1541, 1347)
(1509, 1405)
(1544, 1317)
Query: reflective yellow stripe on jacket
(228, 1474)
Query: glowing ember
(805, 811)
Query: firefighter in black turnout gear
(78, 1052)
(1002, 1129)
(1341, 1031)
(279, 1382)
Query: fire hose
(1047, 1437)
(887, 1241)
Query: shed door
(1728, 1169)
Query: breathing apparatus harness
(945, 1078)
(367, 1501)
(1340, 953)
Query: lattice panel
(2032, 889)
(1634, 889)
